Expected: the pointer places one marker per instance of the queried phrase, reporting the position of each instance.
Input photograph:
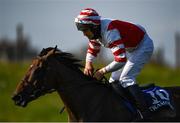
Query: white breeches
(135, 62)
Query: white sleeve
(90, 57)
(113, 66)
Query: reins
(103, 79)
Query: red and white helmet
(87, 16)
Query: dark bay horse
(85, 98)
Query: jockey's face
(88, 33)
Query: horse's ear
(55, 48)
(53, 51)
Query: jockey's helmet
(89, 19)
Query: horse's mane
(65, 58)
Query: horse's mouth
(22, 103)
(19, 101)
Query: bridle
(33, 90)
(36, 91)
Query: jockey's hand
(100, 73)
(89, 69)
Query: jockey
(130, 45)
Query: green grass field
(47, 108)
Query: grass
(47, 107)
(159, 75)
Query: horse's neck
(74, 93)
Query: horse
(85, 98)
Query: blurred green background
(47, 107)
(29, 26)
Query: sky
(51, 22)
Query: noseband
(36, 91)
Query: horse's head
(38, 80)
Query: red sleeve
(118, 50)
(93, 48)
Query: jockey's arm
(118, 50)
(114, 66)
(119, 53)
(93, 50)
(89, 69)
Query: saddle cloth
(157, 97)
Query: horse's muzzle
(18, 99)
